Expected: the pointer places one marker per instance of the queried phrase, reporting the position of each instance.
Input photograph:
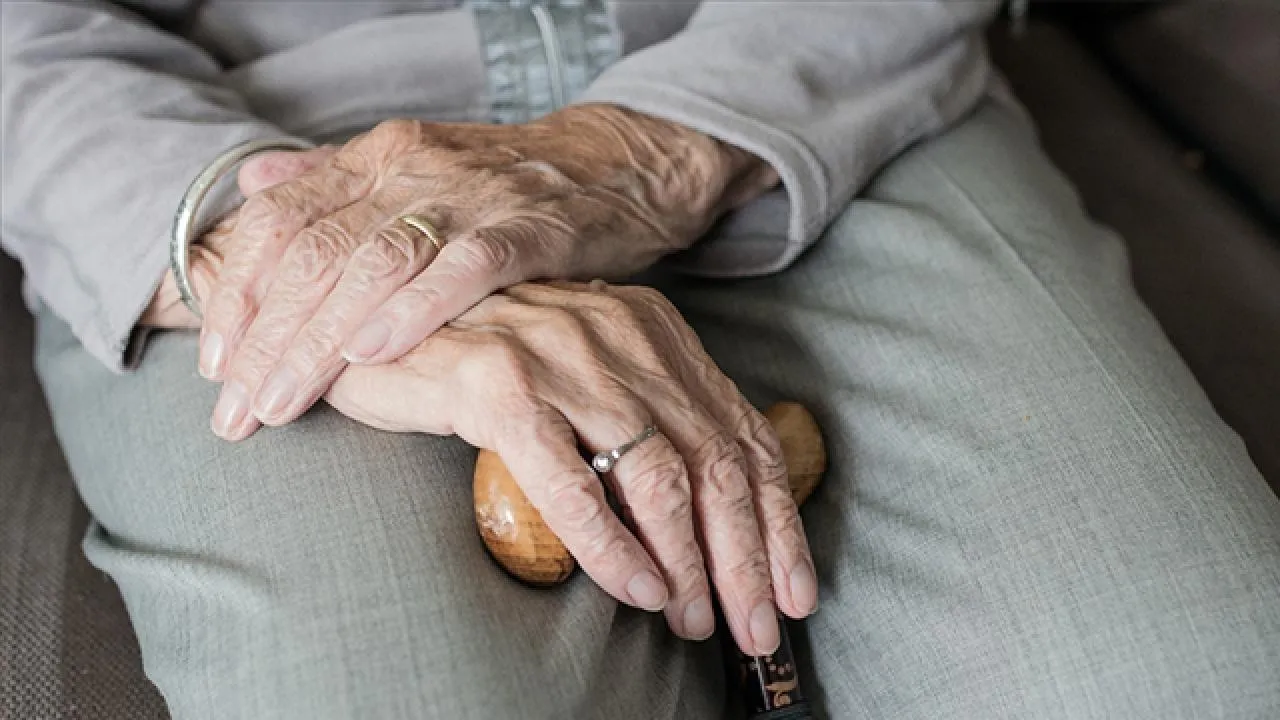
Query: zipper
(551, 47)
(1018, 11)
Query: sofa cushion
(66, 648)
(1214, 69)
(1205, 265)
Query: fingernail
(367, 342)
(229, 412)
(764, 628)
(276, 394)
(647, 591)
(211, 355)
(804, 587)
(699, 620)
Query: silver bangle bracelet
(184, 221)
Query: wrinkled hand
(537, 370)
(166, 309)
(319, 267)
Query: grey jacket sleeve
(826, 92)
(105, 120)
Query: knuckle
(606, 309)
(574, 500)
(268, 212)
(485, 256)
(259, 208)
(504, 366)
(768, 446)
(688, 577)
(613, 305)
(662, 490)
(651, 299)
(722, 461)
(388, 255)
(612, 548)
(317, 251)
(562, 325)
(413, 298)
(316, 347)
(749, 570)
(396, 132)
(783, 519)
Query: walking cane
(516, 536)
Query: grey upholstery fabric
(1214, 68)
(66, 648)
(1208, 269)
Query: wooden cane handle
(513, 530)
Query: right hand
(533, 372)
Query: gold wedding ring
(424, 226)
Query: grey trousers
(1032, 510)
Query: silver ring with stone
(604, 462)
(184, 228)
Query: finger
(266, 169)
(307, 273)
(731, 538)
(652, 485)
(544, 460)
(467, 270)
(267, 224)
(313, 360)
(794, 580)
(723, 499)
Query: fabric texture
(66, 648)
(1206, 264)
(1031, 509)
(824, 92)
(108, 114)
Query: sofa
(1163, 115)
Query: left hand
(319, 267)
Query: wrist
(686, 176)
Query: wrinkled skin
(539, 369)
(320, 271)
(536, 370)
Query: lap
(1032, 510)
(327, 570)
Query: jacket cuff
(119, 341)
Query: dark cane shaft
(770, 684)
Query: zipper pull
(1018, 11)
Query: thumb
(272, 168)
(166, 309)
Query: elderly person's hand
(537, 370)
(321, 266)
(166, 309)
